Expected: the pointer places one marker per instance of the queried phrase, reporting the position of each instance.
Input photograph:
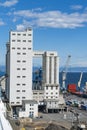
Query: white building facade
(19, 67)
(51, 75)
(29, 109)
(51, 80)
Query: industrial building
(19, 64)
(19, 69)
(51, 80)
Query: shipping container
(71, 87)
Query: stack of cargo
(71, 88)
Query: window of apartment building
(18, 61)
(13, 48)
(56, 87)
(29, 29)
(24, 48)
(18, 84)
(23, 90)
(24, 61)
(23, 68)
(49, 102)
(29, 48)
(23, 84)
(23, 76)
(18, 34)
(29, 40)
(12, 102)
(13, 34)
(46, 93)
(18, 40)
(18, 53)
(35, 93)
(23, 97)
(46, 96)
(24, 40)
(18, 102)
(17, 97)
(24, 53)
(46, 87)
(13, 40)
(31, 104)
(24, 34)
(51, 92)
(51, 87)
(18, 48)
(18, 68)
(18, 76)
(51, 54)
(51, 97)
(18, 91)
(56, 93)
(29, 34)
(41, 93)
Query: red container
(72, 88)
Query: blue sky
(58, 25)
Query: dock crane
(64, 72)
(79, 82)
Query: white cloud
(20, 27)
(9, 3)
(76, 7)
(1, 22)
(53, 19)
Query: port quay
(37, 105)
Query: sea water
(73, 78)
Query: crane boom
(64, 72)
(79, 82)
